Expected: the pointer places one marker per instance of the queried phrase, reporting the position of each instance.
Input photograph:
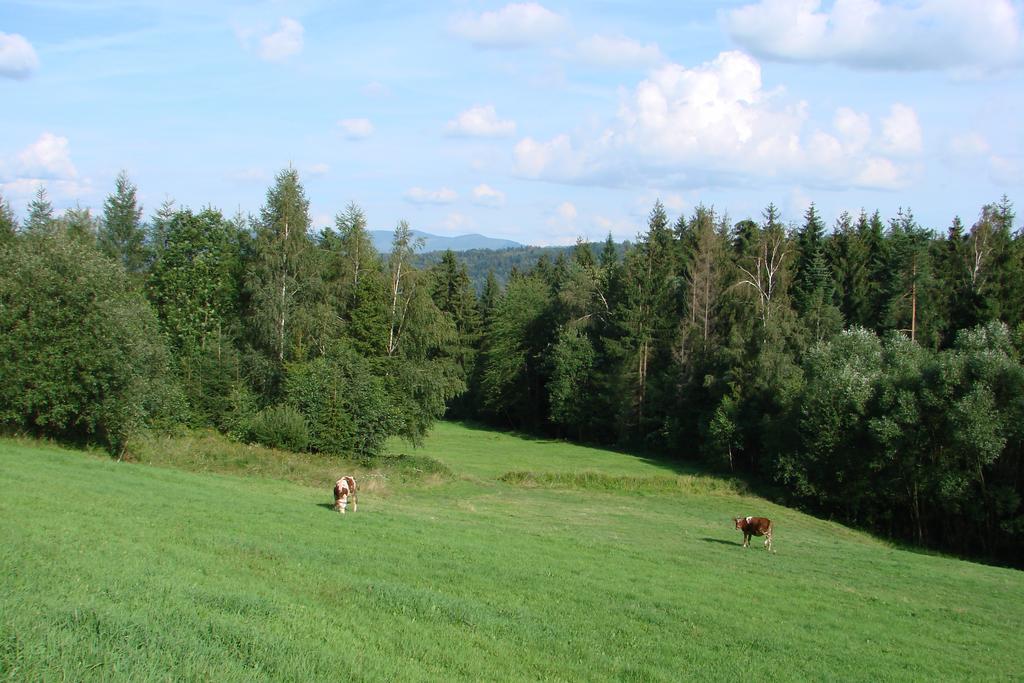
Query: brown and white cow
(344, 489)
(755, 526)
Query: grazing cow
(755, 526)
(343, 489)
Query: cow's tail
(355, 496)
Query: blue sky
(537, 122)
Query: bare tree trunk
(913, 303)
(282, 313)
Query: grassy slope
(115, 570)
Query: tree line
(871, 372)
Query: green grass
(485, 453)
(240, 571)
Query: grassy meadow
(514, 559)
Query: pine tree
(40, 214)
(156, 239)
(809, 248)
(649, 317)
(704, 277)
(872, 234)
(453, 295)
(956, 300)
(847, 254)
(8, 222)
(910, 295)
(121, 235)
(80, 224)
(283, 274)
(355, 281)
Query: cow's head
(739, 521)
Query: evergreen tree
(355, 281)
(648, 317)
(8, 222)
(194, 284)
(809, 249)
(121, 236)
(514, 379)
(704, 277)
(453, 295)
(956, 298)
(283, 275)
(911, 287)
(849, 259)
(40, 214)
(80, 224)
(872, 234)
(156, 239)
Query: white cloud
(715, 124)
(282, 43)
(418, 195)
(901, 133)
(674, 201)
(318, 169)
(376, 89)
(485, 195)
(854, 129)
(24, 189)
(480, 121)
(456, 221)
(567, 211)
(44, 163)
(250, 174)
(48, 157)
(17, 57)
(881, 173)
(969, 144)
(610, 51)
(356, 129)
(514, 25)
(928, 34)
(553, 159)
(561, 226)
(1006, 171)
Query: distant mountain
(382, 241)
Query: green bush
(347, 407)
(280, 427)
(81, 353)
(238, 416)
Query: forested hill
(429, 243)
(871, 370)
(502, 262)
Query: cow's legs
(341, 503)
(768, 541)
(746, 540)
(355, 502)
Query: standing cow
(343, 489)
(755, 526)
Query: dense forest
(871, 372)
(504, 263)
